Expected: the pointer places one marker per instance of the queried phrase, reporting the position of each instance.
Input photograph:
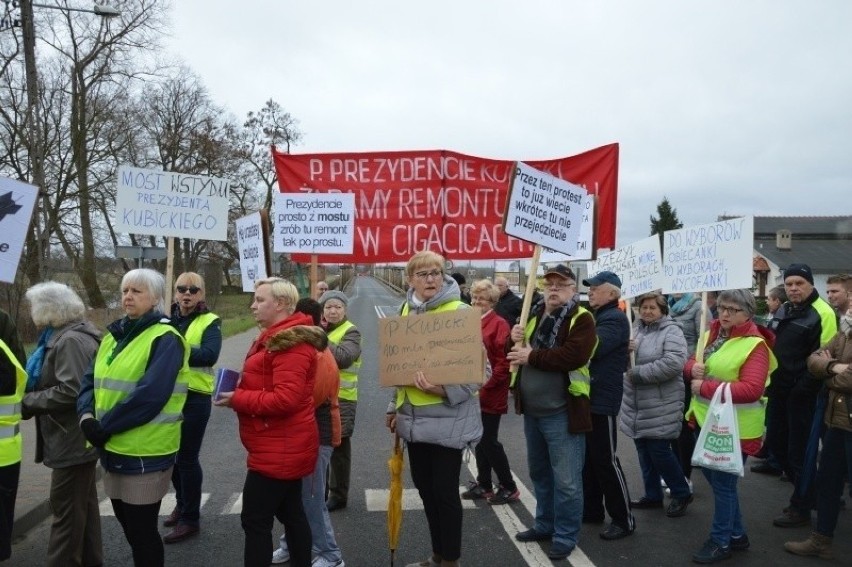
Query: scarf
(36, 360)
(681, 305)
(545, 335)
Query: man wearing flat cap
(802, 325)
(604, 483)
(552, 391)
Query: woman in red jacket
(493, 397)
(275, 406)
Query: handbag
(718, 445)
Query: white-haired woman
(130, 407)
(65, 350)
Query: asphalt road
(488, 531)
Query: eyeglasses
(426, 275)
(559, 285)
(730, 310)
(191, 289)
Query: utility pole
(33, 121)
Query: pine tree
(666, 220)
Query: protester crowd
(138, 397)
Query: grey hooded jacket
(652, 405)
(456, 422)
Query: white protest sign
(585, 241)
(162, 203)
(314, 223)
(709, 257)
(544, 210)
(17, 200)
(252, 246)
(638, 265)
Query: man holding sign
(552, 391)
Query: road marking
(377, 499)
(234, 505)
(166, 506)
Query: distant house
(823, 243)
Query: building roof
(803, 227)
(823, 243)
(823, 256)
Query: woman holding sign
(737, 351)
(202, 329)
(448, 419)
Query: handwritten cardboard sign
(709, 257)
(545, 210)
(639, 265)
(315, 223)
(164, 203)
(446, 346)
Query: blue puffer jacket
(609, 362)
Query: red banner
(439, 200)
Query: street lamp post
(33, 119)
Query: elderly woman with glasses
(739, 352)
(202, 329)
(652, 405)
(437, 422)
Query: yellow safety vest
(828, 321)
(115, 380)
(200, 377)
(11, 444)
(415, 395)
(725, 364)
(348, 376)
(580, 378)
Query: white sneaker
(689, 482)
(320, 561)
(280, 556)
(663, 483)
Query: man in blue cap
(603, 478)
(804, 324)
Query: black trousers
(265, 499)
(435, 471)
(9, 476)
(790, 415)
(139, 523)
(490, 455)
(603, 478)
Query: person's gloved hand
(94, 432)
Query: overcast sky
(726, 107)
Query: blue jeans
(313, 500)
(727, 519)
(555, 459)
(187, 475)
(657, 459)
(836, 449)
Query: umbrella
(395, 464)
